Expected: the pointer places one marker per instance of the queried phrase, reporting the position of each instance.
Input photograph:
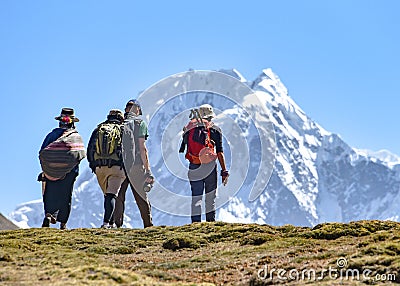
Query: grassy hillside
(204, 253)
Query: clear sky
(340, 61)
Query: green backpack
(108, 142)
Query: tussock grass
(197, 254)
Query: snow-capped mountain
(316, 178)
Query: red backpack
(200, 147)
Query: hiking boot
(51, 218)
(46, 222)
(105, 226)
(63, 225)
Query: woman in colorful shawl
(60, 155)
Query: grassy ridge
(197, 254)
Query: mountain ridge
(317, 177)
(6, 224)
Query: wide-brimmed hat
(67, 112)
(206, 111)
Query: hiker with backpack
(136, 163)
(60, 155)
(203, 142)
(104, 154)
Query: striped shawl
(62, 155)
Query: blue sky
(339, 60)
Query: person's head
(206, 111)
(134, 107)
(115, 115)
(67, 118)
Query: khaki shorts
(110, 179)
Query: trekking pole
(192, 114)
(198, 117)
(195, 114)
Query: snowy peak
(317, 176)
(270, 82)
(269, 86)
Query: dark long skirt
(58, 195)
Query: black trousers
(203, 179)
(58, 195)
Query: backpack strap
(137, 122)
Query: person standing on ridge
(104, 154)
(203, 141)
(138, 171)
(60, 155)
